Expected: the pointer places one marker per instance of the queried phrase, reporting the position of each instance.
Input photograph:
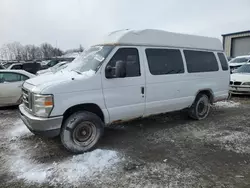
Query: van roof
(153, 37)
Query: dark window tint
(10, 77)
(199, 61)
(131, 57)
(17, 67)
(164, 61)
(223, 61)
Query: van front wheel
(200, 108)
(81, 132)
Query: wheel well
(208, 93)
(84, 107)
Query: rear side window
(199, 61)
(164, 61)
(223, 61)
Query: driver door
(124, 97)
(10, 87)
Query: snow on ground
(235, 141)
(19, 130)
(71, 170)
(150, 175)
(227, 104)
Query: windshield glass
(6, 65)
(63, 66)
(243, 69)
(91, 59)
(55, 67)
(239, 60)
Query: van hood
(51, 78)
(43, 81)
(240, 77)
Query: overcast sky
(75, 22)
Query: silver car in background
(11, 86)
(55, 68)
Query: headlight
(246, 83)
(42, 105)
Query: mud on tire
(200, 108)
(81, 132)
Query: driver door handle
(142, 90)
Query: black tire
(200, 108)
(81, 132)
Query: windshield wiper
(78, 72)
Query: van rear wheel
(81, 132)
(200, 108)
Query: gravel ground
(168, 150)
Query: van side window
(223, 61)
(131, 57)
(164, 61)
(200, 61)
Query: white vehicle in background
(43, 63)
(240, 80)
(237, 62)
(54, 69)
(131, 74)
(11, 86)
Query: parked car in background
(54, 69)
(31, 67)
(238, 62)
(130, 74)
(43, 63)
(11, 86)
(51, 63)
(240, 80)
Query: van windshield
(91, 59)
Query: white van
(131, 74)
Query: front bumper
(49, 127)
(243, 90)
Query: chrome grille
(27, 98)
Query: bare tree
(5, 55)
(81, 48)
(16, 51)
(47, 50)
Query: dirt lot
(163, 151)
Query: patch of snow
(83, 167)
(152, 173)
(230, 140)
(18, 130)
(72, 170)
(227, 104)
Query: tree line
(17, 51)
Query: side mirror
(120, 69)
(108, 72)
